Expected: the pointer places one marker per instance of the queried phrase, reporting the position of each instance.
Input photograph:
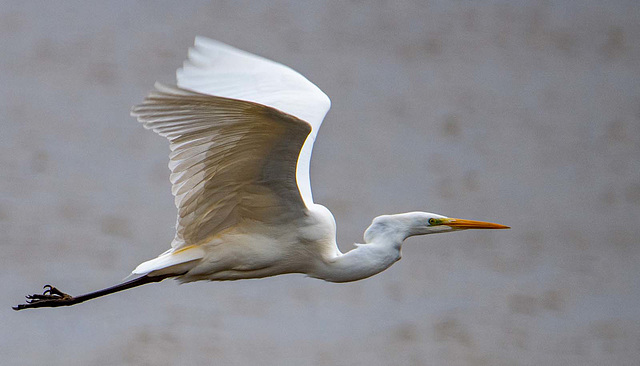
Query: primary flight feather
(241, 129)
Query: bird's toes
(53, 292)
(36, 297)
(50, 297)
(47, 289)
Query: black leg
(52, 297)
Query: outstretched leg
(52, 297)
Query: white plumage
(215, 68)
(241, 129)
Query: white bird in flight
(241, 130)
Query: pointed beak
(471, 224)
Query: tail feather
(176, 262)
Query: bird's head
(421, 223)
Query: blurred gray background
(525, 113)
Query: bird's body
(255, 250)
(241, 131)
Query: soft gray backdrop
(525, 113)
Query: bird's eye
(433, 221)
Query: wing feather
(232, 160)
(216, 68)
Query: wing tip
(206, 43)
(160, 90)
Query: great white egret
(241, 129)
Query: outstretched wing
(231, 160)
(215, 68)
(241, 129)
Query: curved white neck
(383, 246)
(365, 260)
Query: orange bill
(472, 224)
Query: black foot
(51, 297)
